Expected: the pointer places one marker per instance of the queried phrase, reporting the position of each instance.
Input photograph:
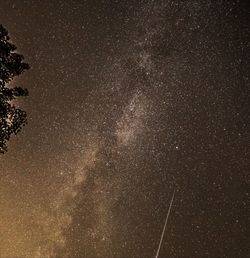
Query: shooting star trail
(164, 228)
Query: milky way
(129, 100)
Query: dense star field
(129, 101)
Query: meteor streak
(164, 228)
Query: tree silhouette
(12, 119)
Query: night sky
(129, 101)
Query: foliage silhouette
(12, 119)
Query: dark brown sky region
(129, 101)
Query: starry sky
(129, 101)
